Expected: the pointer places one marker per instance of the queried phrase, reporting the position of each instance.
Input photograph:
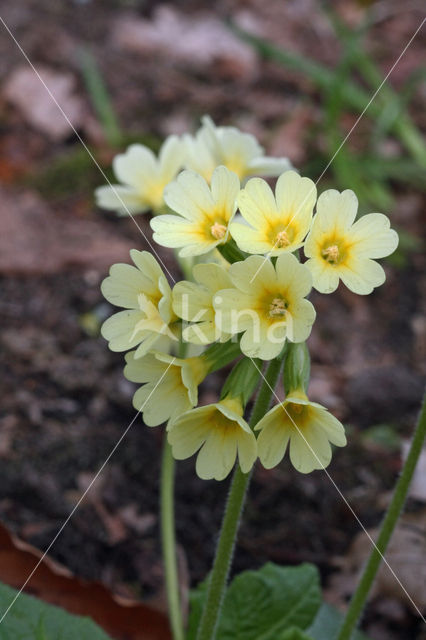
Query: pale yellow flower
(277, 224)
(144, 292)
(170, 385)
(240, 152)
(220, 432)
(193, 301)
(267, 303)
(204, 212)
(143, 177)
(307, 427)
(339, 249)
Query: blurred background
(297, 75)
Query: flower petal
(171, 157)
(225, 187)
(309, 450)
(119, 330)
(257, 203)
(212, 276)
(188, 432)
(299, 324)
(247, 450)
(267, 166)
(124, 200)
(217, 456)
(325, 276)
(373, 236)
(331, 426)
(189, 195)
(191, 300)
(273, 438)
(249, 239)
(136, 166)
(253, 273)
(123, 286)
(296, 276)
(296, 199)
(234, 312)
(362, 276)
(147, 369)
(335, 211)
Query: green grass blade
(100, 98)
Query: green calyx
(243, 380)
(220, 354)
(231, 252)
(297, 368)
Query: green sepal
(220, 354)
(243, 380)
(297, 367)
(231, 252)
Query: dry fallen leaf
(24, 90)
(199, 40)
(34, 240)
(406, 556)
(122, 618)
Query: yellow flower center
(296, 408)
(282, 240)
(237, 164)
(153, 194)
(331, 254)
(281, 235)
(218, 230)
(299, 413)
(277, 308)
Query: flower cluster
(244, 299)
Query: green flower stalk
(231, 519)
(390, 520)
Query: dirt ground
(65, 402)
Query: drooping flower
(338, 248)
(193, 301)
(307, 427)
(267, 303)
(220, 432)
(240, 152)
(143, 177)
(170, 385)
(204, 212)
(144, 292)
(277, 224)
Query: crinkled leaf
(261, 605)
(32, 619)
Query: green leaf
(32, 619)
(327, 624)
(196, 603)
(294, 634)
(261, 605)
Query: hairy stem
(390, 520)
(169, 541)
(234, 506)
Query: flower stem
(169, 542)
(231, 518)
(388, 525)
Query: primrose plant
(250, 257)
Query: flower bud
(242, 381)
(297, 368)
